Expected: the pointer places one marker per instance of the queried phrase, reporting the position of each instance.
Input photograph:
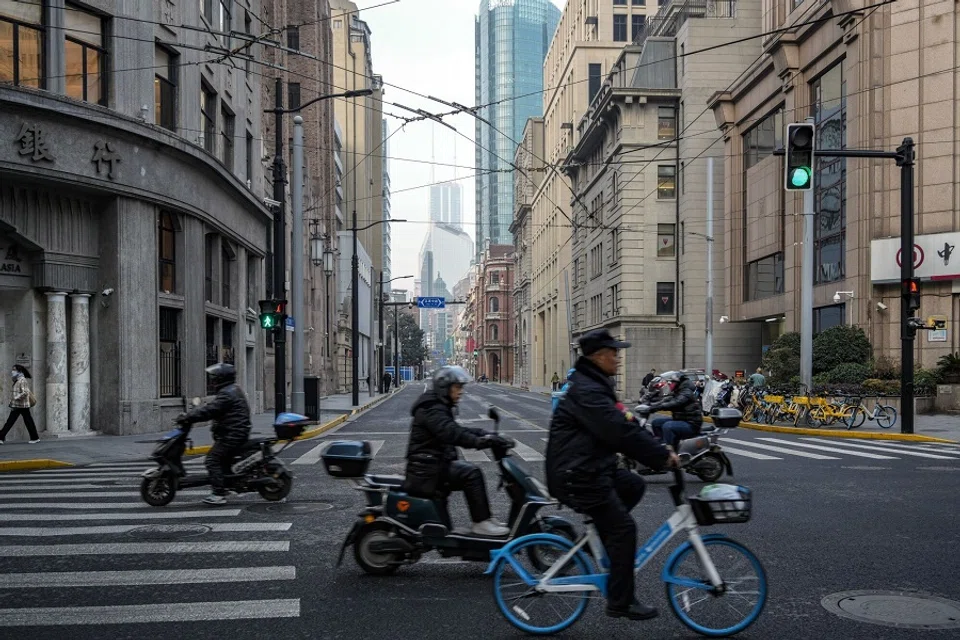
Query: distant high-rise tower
(511, 42)
(445, 204)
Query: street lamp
(279, 242)
(849, 294)
(355, 302)
(382, 300)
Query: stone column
(57, 393)
(80, 363)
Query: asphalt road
(80, 557)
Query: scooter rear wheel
(278, 491)
(159, 491)
(376, 564)
(709, 468)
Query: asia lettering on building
(34, 143)
(13, 262)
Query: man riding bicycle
(586, 433)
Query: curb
(854, 435)
(30, 465)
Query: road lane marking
(143, 577)
(159, 515)
(35, 476)
(138, 548)
(146, 613)
(919, 454)
(132, 493)
(312, 456)
(859, 454)
(749, 454)
(528, 453)
(217, 527)
(473, 455)
(791, 452)
(76, 505)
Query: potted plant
(949, 367)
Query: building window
(209, 267)
(620, 2)
(170, 386)
(293, 37)
(666, 182)
(760, 141)
(614, 246)
(666, 123)
(495, 277)
(826, 317)
(493, 332)
(683, 54)
(225, 21)
(213, 350)
(682, 244)
(596, 307)
(165, 89)
(22, 40)
(86, 56)
(228, 352)
(619, 28)
(250, 159)
(208, 109)
(666, 240)
(830, 176)
(665, 296)
(206, 10)
(637, 20)
(681, 297)
(639, 3)
(167, 253)
(226, 275)
(494, 305)
(765, 277)
(614, 294)
(229, 124)
(683, 178)
(293, 95)
(596, 261)
(248, 29)
(595, 80)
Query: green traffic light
(267, 321)
(800, 177)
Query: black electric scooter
(255, 466)
(395, 528)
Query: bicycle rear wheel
(514, 581)
(688, 587)
(887, 416)
(855, 418)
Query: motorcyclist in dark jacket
(687, 411)
(586, 433)
(436, 435)
(231, 415)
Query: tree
(412, 349)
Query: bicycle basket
(722, 504)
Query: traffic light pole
(279, 259)
(806, 290)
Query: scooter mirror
(493, 414)
(196, 402)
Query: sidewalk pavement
(926, 428)
(81, 450)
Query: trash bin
(311, 397)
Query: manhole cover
(895, 609)
(867, 468)
(168, 531)
(291, 508)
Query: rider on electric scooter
(231, 415)
(687, 411)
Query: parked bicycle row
(812, 411)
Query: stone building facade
(123, 177)
(868, 79)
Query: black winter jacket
(586, 432)
(684, 403)
(231, 415)
(435, 430)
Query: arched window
(495, 277)
(167, 253)
(493, 333)
(494, 305)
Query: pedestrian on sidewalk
(555, 381)
(20, 404)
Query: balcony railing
(496, 286)
(674, 13)
(496, 315)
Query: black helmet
(447, 376)
(222, 374)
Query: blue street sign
(431, 303)
(289, 323)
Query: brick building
(493, 315)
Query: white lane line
(77, 505)
(132, 493)
(138, 548)
(72, 475)
(160, 515)
(375, 446)
(919, 454)
(749, 454)
(145, 613)
(859, 454)
(218, 527)
(146, 463)
(312, 456)
(51, 485)
(939, 448)
(473, 455)
(791, 452)
(528, 453)
(143, 577)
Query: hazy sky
(425, 46)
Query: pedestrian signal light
(272, 313)
(799, 157)
(911, 295)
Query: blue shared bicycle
(718, 577)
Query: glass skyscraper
(511, 42)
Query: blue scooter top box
(347, 458)
(288, 426)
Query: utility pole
(296, 268)
(279, 251)
(355, 304)
(709, 322)
(806, 288)
(380, 367)
(396, 347)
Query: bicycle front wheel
(856, 417)
(717, 614)
(528, 609)
(887, 416)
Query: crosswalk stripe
(140, 548)
(12, 482)
(859, 454)
(72, 475)
(132, 493)
(919, 454)
(527, 453)
(152, 515)
(749, 454)
(473, 455)
(216, 527)
(143, 577)
(939, 447)
(78, 505)
(790, 452)
(52, 485)
(375, 446)
(145, 613)
(312, 456)
(117, 465)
